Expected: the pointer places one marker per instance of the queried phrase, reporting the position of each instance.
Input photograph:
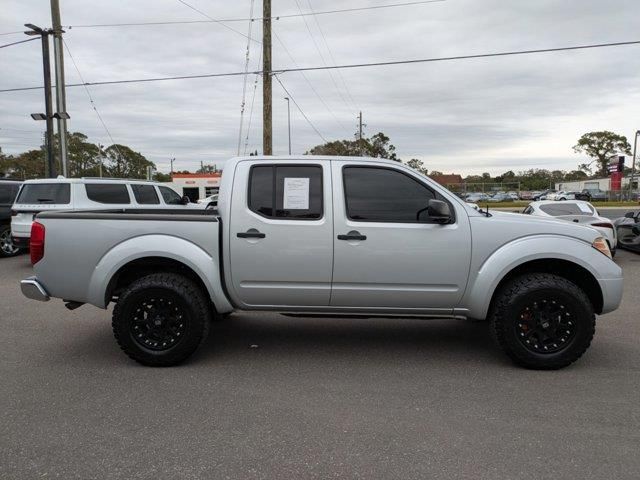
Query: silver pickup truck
(326, 235)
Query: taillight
(603, 225)
(36, 243)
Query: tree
(83, 157)
(29, 164)
(418, 166)
(376, 146)
(601, 146)
(207, 169)
(122, 162)
(161, 177)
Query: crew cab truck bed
(323, 235)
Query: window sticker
(296, 194)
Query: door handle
(352, 236)
(251, 233)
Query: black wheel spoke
(158, 323)
(545, 326)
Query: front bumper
(32, 289)
(611, 293)
(20, 242)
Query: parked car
(595, 195)
(628, 231)
(544, 195)
(328, 235)
(576, 211)
(61, 193)
(210, 201)
(500, 197)
(8, 191)
(526, 195)
(566, 195)
(514, 196)
(477, 197)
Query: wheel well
(563, 268)
(132, 271)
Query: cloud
(469, 116)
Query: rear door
(281, 233)
(388, 253)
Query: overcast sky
(466, 117)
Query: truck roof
(297, 158)
(88, 179)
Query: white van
(60, 193)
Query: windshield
(45, 193)
(565, 208)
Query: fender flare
(165, 246)
(505, 259)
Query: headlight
(602, 246)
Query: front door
(281, 231)
(388, 254)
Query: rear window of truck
(286, 192)
(45, 193)
(111, 193)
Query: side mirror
(629, 215)
(439, 211)
(185, 200)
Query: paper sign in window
(296, 194)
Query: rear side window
(385, 195)
(566, 208)
(145, 194)
(286, 191)
(170, 196)
(8, 193)
(45, 193)
(111, 193)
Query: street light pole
(633, 160)
(46, 68)
(289, 121)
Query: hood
(519, 225)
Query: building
(447, 180)
(603, 184)
(196, 185)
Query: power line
(300, 109)
(21, 41)
(333, 60)
(219, 22)
(315, 44)
(10, 33)
(246, 76)
(345, 66)
(93, 105)
(230, 20)
(313, 89)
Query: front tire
(160, 320)
(542, 321)
(7, 248)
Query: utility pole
(172, 160)
(360, 126)
(289, 121)
(267, 140)
(633, 160)
(61, 100)
(46, 69)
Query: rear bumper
(20, 242)
(32, 289)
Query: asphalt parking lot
(317, 398)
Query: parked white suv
(60, 193)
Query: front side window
(170, 196)
(376, 194)
(145, 194)
(45, 193)
(286, 191)
(109, 193)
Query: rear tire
(160, 320)
(7, 249)
(542, 321)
